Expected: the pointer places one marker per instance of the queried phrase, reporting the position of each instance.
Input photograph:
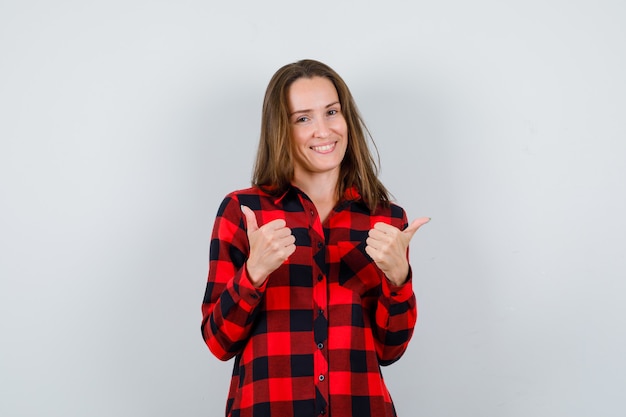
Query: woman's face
(319, 132)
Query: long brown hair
(274, 169)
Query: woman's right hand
(270, 246)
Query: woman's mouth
(324, 148)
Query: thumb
(416, 224)
(250, 219)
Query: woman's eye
(301, 119)
(332, 112)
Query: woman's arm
(396, 310)
(394, 321)
(231, 301)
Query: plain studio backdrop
(124, 123)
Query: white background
(124, 123)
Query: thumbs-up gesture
(270, 245)
(387, 246)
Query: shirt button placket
(320, 321)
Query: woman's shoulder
(251, 197)
(396, 211)
(245, 192)
(390, 213)
(388, 209)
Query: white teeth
(324, 148)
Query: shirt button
(321, 377)
(320, 245)
(320, 277)
(312, 213)
(320, 311)
(320, 346)
(323, 412)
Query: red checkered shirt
(311, 340)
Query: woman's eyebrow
(310, 110)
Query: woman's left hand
(387, 246)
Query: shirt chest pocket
(352, 267)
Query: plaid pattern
(311, 340)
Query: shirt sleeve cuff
(248, 292)
(399, 293)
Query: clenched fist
(387, 246)
(270, 246)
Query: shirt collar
(351, 194)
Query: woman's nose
(322, 129)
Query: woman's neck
(321, 189)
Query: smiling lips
(324, 148)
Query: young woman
(309, 285)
